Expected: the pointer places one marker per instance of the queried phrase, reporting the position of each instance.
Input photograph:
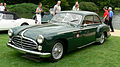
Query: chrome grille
(24, 43)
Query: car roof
(80, 12)
(6, 12)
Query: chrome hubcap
(102, 38)
(57, 51)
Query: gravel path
(116, 33)
(116, 23)
(116, 20)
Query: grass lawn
(106, 55)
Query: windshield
(67, 18)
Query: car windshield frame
(71, 18)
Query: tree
(66, 4)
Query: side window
(96, 19)
(88, 20)
(8, 16)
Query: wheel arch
(102, 29)
(105, 33)
(24, 23)
(65, 43)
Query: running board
(87, 44)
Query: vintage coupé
(66, 31)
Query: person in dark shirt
(110, 19)
(6, 9)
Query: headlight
(10, 32)
(40, 39)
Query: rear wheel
(102, 39)
(57, 51)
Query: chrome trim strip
(28, 51)
(87, 44)
(28, 38)
(75, 30)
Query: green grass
(106, 55)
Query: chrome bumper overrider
(28, 51)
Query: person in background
(106, 15)
(6, 9)
(76, 6)
(57, 8)
(2, 7)
(38, 13)
(110, 19)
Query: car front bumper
(28, 51)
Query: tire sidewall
(52, 59)
(100, 38)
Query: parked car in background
(46, 16)
(9, 20)
(67, 31)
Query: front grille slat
(24, 43)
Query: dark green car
(67, 31)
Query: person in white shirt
(2, 8)
(76, 6)
(38, 13)
(57, 8)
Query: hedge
(88, 6)
(24, 9)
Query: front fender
(49, 41)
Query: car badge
(77, 35)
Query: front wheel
(57, 51)
(102, 39)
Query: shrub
(117, 9)
(88, 6)
(24, 9)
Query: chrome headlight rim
(10, 32)
(40, 39)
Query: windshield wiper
(69, 23)
(73, 20)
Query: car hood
(46, 30)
